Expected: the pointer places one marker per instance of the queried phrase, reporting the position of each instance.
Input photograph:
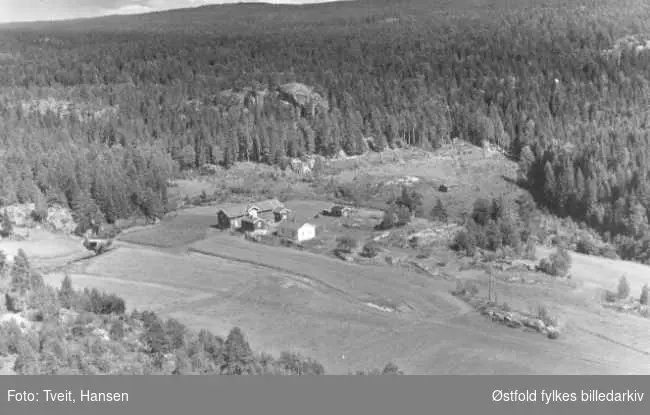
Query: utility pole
(491, 285)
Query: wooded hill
(134, 98)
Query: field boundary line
(609, 339)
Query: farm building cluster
(272, 217)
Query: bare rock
(60, 219)
(302, 97)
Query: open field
(188, 226)
(285, 299)
(43, 247)
(603, 274)
(467, 170)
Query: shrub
(116, 332)
(610, 296)
(465, 288)
(39, 214)
(623, 290)
(346, 244)
(370, 250)
(464, 242)
(558, 264)
(391, 369)
(102, 303)
(586, 246)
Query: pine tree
(237, 354)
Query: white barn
(297, 231)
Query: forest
(100, 114)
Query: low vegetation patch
(540, 320)
(622, 301)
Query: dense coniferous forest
(100, 114)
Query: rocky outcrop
(247, 97)
(60, 219)
(303, 98)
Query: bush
(465, 288)
(587, 246)
(39, 214)
(116, 331)
(346, 244)
(610, 296)
(370, 250)
(558, 264)
(623, 290)
(464, 242)
(102, 303)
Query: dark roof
(239, 210)
(234, 211)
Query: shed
(299, 231)
(338, 210)
(280, 213)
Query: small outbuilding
(280, 213)
(338, 211)
(298, 231)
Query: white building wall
(306, 232)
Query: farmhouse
(231, 217)
(264, 206)
(299, 231)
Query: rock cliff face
(303, 98)
(299, 96)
